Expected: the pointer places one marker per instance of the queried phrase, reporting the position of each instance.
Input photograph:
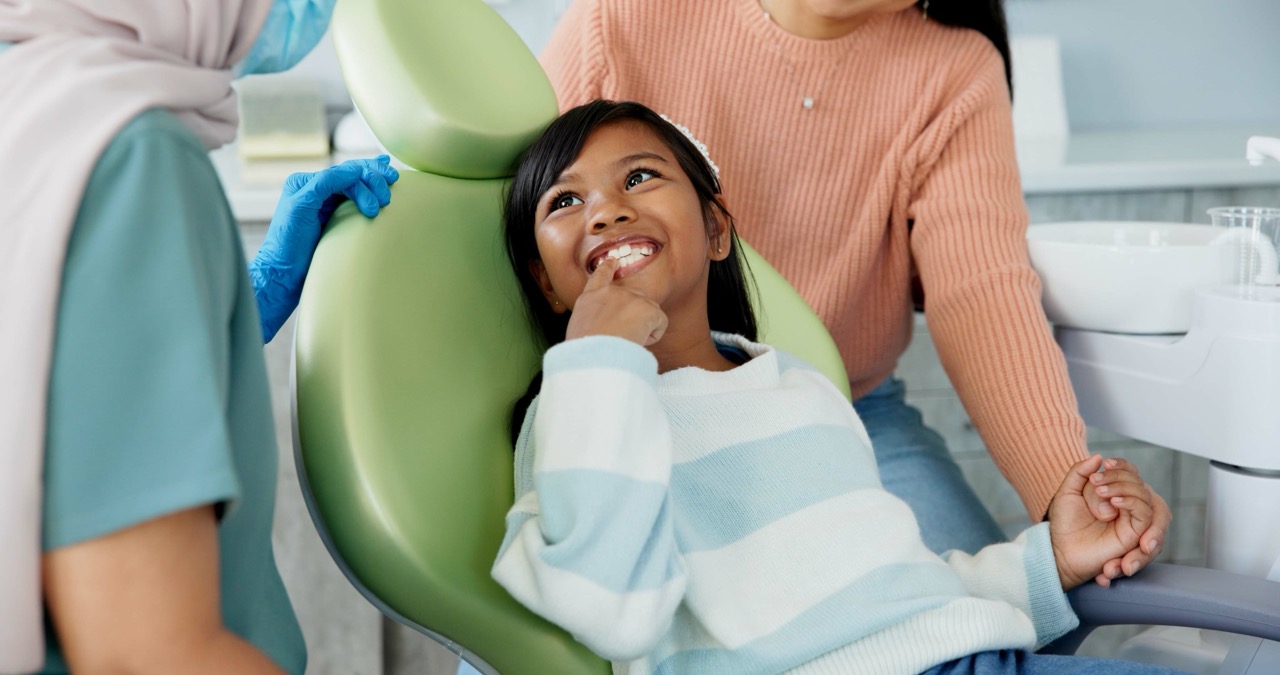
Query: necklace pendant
(807, 102)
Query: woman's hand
(606, 308)
(1082, 543)
(1149, 545)
(301, 214)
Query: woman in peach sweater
(868, 149)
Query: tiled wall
(345, 635)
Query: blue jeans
(916, 467)
(1024, 663)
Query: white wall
(1141, 64)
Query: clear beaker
(1250, 237)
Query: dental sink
(1125, 277)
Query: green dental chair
(412, 341)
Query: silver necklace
(807, 101)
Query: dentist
(137, 450)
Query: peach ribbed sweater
(904, 166)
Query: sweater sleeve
(982, 297)
(590, 543)
(574, 57)
(1023, 574)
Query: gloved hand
(304, 208)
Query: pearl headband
(702, 148)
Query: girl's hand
(1082, 543)
(606, 308)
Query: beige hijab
(79, 71)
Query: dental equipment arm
(1177, 595)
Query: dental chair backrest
(412, 341)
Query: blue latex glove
(304, 208)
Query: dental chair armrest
(1176, 595)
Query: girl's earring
(926, 10)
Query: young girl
(691, 501)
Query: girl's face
(626, 196)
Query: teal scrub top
(158, 397)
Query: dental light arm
(1177, 595)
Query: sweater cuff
(1050, 611)
(601, 351)
(1038, 469)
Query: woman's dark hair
(984, 16)
(728, 300)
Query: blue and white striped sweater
(734, 522)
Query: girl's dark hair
(984, 16)
(728, 300)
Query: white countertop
(1143, 160)
(1083, 162)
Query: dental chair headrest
(446, 85)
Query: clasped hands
(1105, 521)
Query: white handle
(1260, 147)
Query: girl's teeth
(628, 254)
(633, 257)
